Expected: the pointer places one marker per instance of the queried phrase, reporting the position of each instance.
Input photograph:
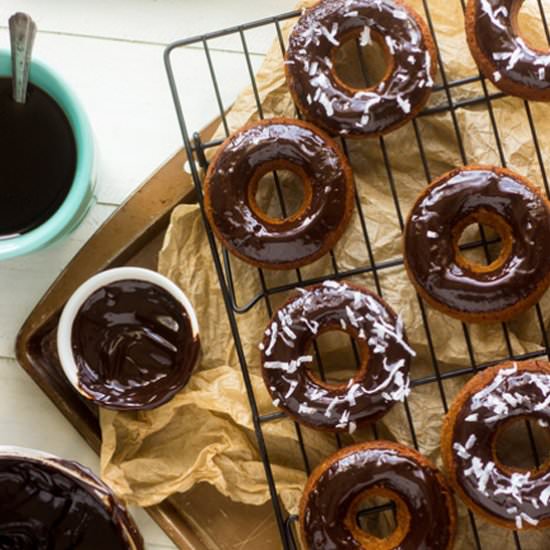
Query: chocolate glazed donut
(425, 509)
(512, 498)
(502, 54)
(232, 181)
(383, 376)
(497, 197)
(321, 95)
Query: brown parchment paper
(206, 434)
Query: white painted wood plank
(28, 419)
(154, 536)
(157, 21)
(125, 91)
(23, 281)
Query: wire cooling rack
(196, 149)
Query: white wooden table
(110, 52)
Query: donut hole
(529, 25)
(520, 441)
(335, 357)
(279, 195)
(379, 518)
(362, 60)
(472, 249)
(482, 242)
(376, 516)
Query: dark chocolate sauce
(248, 154)
(43, 508)
(382, 380)
(37, 159)
(359, 112)
(515, 391)
(496, 35)
(429, 241)
(362, 469)
(134, 345)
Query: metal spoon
(22, 33)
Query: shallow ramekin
(64, 329)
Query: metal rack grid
(196, 149)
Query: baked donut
(425, 508)
(383, 375)
(232, 181)
(502, 54)
(496, 197)
(513, 498)
(324, 99)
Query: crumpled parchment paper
(206, 434)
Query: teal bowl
(81, 194)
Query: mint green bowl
(81, 195)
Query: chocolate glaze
(250, 153)
(429, 240)
(382, 379)
(42, 507)
(134, 345)
(514, 392)
(359, 112)
(37, 159)
(362, 469)
(497, 37)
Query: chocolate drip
(134, 345)
(496, 34)
(429, 244)
(382, 379)
(361, 470)
(518, 497)
(343, 110)
(44, 508)
(248, 155)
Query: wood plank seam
(137, 42)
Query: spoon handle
(22, 33)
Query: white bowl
(95, 486)
(71, 309)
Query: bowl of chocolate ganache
(47, 161)
(47, 503)
(128, 339)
